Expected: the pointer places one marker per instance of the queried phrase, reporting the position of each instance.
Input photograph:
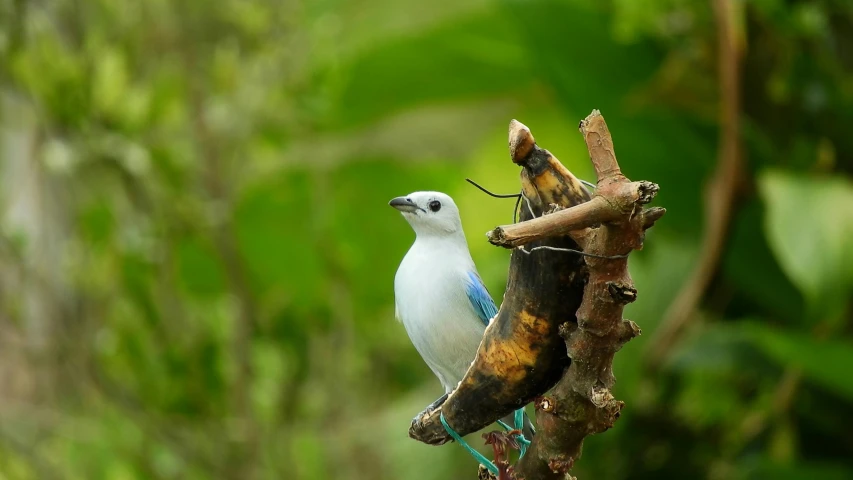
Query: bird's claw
(418, 428)
(419, 419)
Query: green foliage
(809, 224)
(821, 360)
(197, 259)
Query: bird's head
(429, 213)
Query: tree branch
(585, 215)
(581, 403)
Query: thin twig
(720, 192)
(573, 220)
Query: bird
(439, 296)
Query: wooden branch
(570, 221)
(581, 403)
(585, 215)
(600, 147)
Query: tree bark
(581, 403)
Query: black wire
(571, 250)
(517, 196)
(496, 195)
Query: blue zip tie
(477, 455)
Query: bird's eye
(435, 205)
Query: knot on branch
(497, 236)
(622, 294)
(612, 411)
(609, 409)
(584, 124)
(545, 404)
(646, 191)
(561, 464)
(600, 396)
(554, 208)
(596, 330)
(627, 331)
(651, 215)
(565, 329)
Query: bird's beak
(403, 204)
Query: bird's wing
(480, 298)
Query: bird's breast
(435, 310)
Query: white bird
(439, 296)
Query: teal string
(518, 419)
(519, 425)
(477, 455)
(523, 442)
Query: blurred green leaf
(466, 58)
(750, 267)
(97, 223)
(760, 469)
(199, 267)
(110, 82)
(275, 230)
(809, 225)
(826, 362)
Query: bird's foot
(430, 435)
(437, 403)
(419, 419)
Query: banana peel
(522, 354)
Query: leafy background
(197, 258)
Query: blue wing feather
(480, 298)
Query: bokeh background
(197, 256)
